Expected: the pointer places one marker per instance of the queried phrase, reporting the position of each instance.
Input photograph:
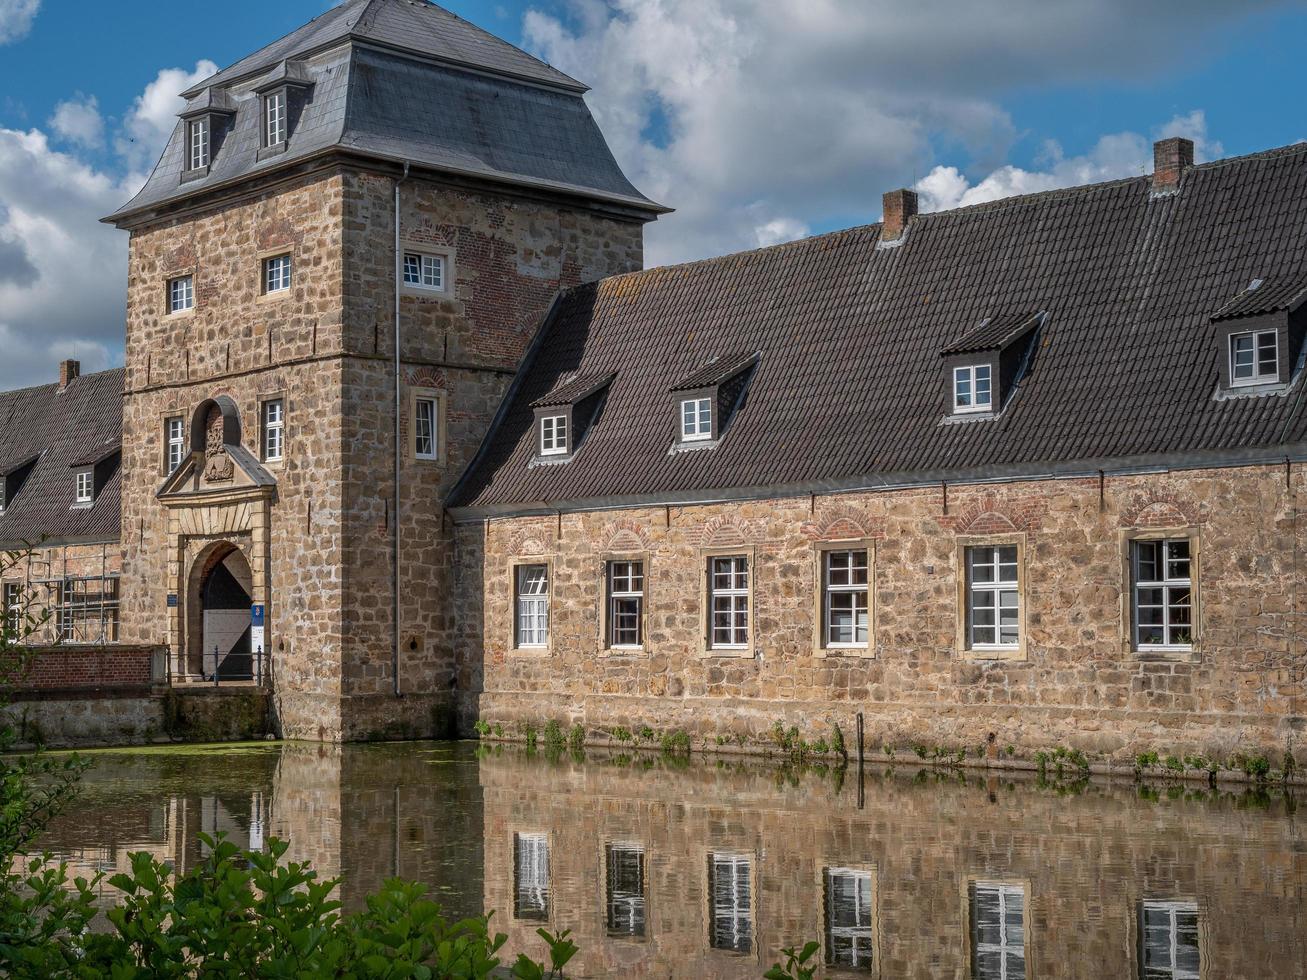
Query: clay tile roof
(850, 391)
(716, 371)
(573, 390)
(994, 333)
(56, 428)
(1264, 296)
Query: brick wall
(87, 668)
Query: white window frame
(12, 612)
(277, 273)
(1005, 947)
(1166, 584)
(1258, 376)
(174, 433)
(273, 418)
(735, 599)
(426, 441)
(531, 876)
(738, 915)
(553, 435)
(990, 556)
(274, 118)
(696, 419)
(197, 143)
(181, 293)
(832, 587)
(862, 937)
(1172, 909)
(626, 914)
(428, 271)
(85, 492)
(626, 585)
(970, 375)
(531, 606)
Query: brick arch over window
(841, 524)
(201, 420)
(1158, 512)
(724, 532)
(991, 515)
(626, 536)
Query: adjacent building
(404, 424)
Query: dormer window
(274, 118)
(198, 144)
(553, 435)
(85, 492)
(1254, 357)
(207, 117)
(972, 388)
(11, 481)
(696, 419)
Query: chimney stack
(899, 206)
(1170, 159)
(68, 370)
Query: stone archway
(220, 592)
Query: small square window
(424, 271)
(972, 388)
(181, 294)
(175, 434)
(274, 430)
(424, 428)
(553, 435)
(276, 274)
(274, 119)
(696, 419)
(198, 145)
(85, 487)
(1254, 357)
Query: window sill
(275, 296)
(857, 652)
(1164, 653)
(179, 314)
(199, 173)
(622, 652)
(530, 653)
(732, 653)
(1016, 653)
(424, 292)
(267, 152)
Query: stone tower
(387, 172)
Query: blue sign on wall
(172, 600)
(256, 615)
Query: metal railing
(236, 667)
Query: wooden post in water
(862, 790)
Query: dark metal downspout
(394, 510)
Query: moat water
(666, 868)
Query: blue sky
(758, 120)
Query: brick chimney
(899, 206)
(68, 370)
(1170, 159)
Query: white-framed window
(12, 608)
(531, 876)
(730, 902)
(624, 914)
(274, 118)
(728, 592)
(972, 388)
(696, 419)
(1168, 941)
(848, 919)
(175, 433)
(425, 445)
(1163, 593)
(553, 435)
(3, 495)
(532, 601)
(85, 493)
(1254, 357)
(424, 271)
(181, 294)
(998, 932)
(993, 597)
(197, 154)
(625, 604)
(845, 608)
(276, 274)
(274, 429)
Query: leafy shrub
(553, 734)
(676, 742)
(576, 738)
(837, 741)
(622, 734)
(530, 734)
(481, 727)
(796, 964)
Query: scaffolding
(83, 608)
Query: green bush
(530, 734)
(622, 734)
(576, 738)
(481, 727)
(554, 734)
(674, 743)
(837, 741)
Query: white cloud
(153, 115)
(757, 119)
(16, 18)
(1113, 156)
(78, 120)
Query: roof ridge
(5, 392)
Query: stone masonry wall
(38, 572)
(509, 257)
(1076, 682)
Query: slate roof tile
(850, 385)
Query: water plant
(622, 734)
(837, 741)
(530, 734)
(675, 742)
(554, 734)
(645, 734)
(576, 737)
(481, 727)
(499, 730)
(1174, 764)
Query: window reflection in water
(1168, 941)
(531, 876)
(848, 918)
(625, 889)
(998, 932)
(730, 902)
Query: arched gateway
(219, 597)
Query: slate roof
(79, 425)
(485, 111)
(850, 390)
(1267, 297)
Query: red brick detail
(627, 536)
(427, 377)
(989, 515)
(723, 532)
(1159, 509)
(841, 523)
(74, 667)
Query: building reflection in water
(707, 870)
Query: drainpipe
(394, 510)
